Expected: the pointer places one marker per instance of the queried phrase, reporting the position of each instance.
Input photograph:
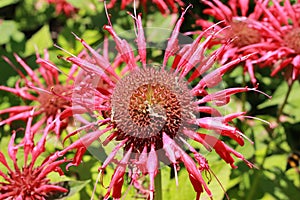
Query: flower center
(244, 34)
(52, 103)
(25, 182)
(147, 103)
(292, 39)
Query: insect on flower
(151, 113)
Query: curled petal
(118, 177)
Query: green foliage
(4, 3)
(30, 25)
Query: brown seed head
(52, 103)
(148, 102)
(292, 39)
(244, 34)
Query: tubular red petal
(49, 188)
(4, 162)
(194, 174)
(78, 157)
(16, 109)
(118, 177)
(29, 71)
(123, 48)
(172, 46)
(28, 138)
(100, 60)
(89, 67)
(113, 154)
(152, 167)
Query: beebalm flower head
(151, 113)
(29, 180)
(164, 6)
(49, 97)
(244, 25)
(283, 25)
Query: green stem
(279, 113)
(254, 185)
(244, 97)
(280, 110)
(257, 174)
(158, 188)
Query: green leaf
(91, 36)
(185, 190)
(222, 171)
(4, 3)
(8, 31)
(75, 187)
(41, 39)
(279, 95)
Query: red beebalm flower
(43, 87)
(283, 24)
(164, 6)
(62, 6)
(152, 112)
(29, 181)
(243, 25)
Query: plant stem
(244, 96)
(158, 188)
(254, 185)
(280, 110)
(279, 113)
(257, 175)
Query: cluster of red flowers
(149, 113)
(270, 29)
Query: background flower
(62, 6)
(165, 7)
(29, 179)
(283, 38)
(49, 97)
(244, 27)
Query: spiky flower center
(25, 183)
(244, 34)
(147, 103)
(292, 39)
(53, 103)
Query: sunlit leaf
(40, 40)
(4, 3)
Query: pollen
(54, 103)
(292, 40)
(147, 103)
(244, 34)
